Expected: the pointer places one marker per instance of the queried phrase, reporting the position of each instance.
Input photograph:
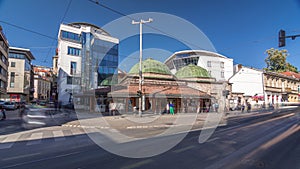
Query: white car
(36, 116)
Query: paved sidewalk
(131, 121)
(151, 120)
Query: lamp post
(141, 22)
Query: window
(208, 63)
(222, 74)
(70, 36)
(2, 84)
(73, 51)
(12, 79)
(73, 68)
(73, 80)
(13, 64)
(222, 64)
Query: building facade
(43, 80)
(280, 88)
(246, 83)
(161, 88)
(218, 66)
(20, 75)
(263, 89)
(87, 56)
(4, 47)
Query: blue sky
(239, 29)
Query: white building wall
(247, 81)
(64, 64)
(215, 68)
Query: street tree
(276, 61)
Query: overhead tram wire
(28, 30)
(152, 27)
(63, 18)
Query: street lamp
(141, 22)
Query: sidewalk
(149, 120)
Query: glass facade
(181, 62)
(99, 61)
(108, 65)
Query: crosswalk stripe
(77, 131)
(35, 138)
(58, 135)
(9, 141)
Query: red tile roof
(292, 74)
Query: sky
(239, 29)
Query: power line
(63, 18)
(28, 30)
(152, 27)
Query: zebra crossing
(35, 137)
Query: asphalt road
(257, 141)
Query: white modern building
(217, 65)
(86, 56)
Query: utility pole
(140, 92)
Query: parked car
(9, 105)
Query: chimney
(240, 66)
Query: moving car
(9, 106)
(37, 116)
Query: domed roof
(151, 66)
(192, 71)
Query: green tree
(291, 68)
(276, 61)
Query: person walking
(167, 108)
(171, 108)
(3, 113)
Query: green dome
(192, 71)
(151, 66)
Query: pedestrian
(59, 105)
(243, 108)
(248, 107)
(171, 108)
(167, 108)
(216, 107)
(55, 105)
(3, 113)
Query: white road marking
(184, 149)
(35, 138)
(231, 134)
(213, 139)
(58, 135)
(9, 141)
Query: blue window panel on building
(73, 68)
(70, 36)
(74, 51)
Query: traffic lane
(187, 154)
(280, 153)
